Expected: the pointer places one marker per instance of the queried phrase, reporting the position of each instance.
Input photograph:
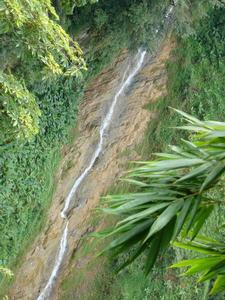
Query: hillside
(73, 122)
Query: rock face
(127, 129)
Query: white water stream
(139, 59)
(104, 126)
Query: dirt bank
(127, 128)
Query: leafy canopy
(32, 28)
(69, 5)
(19, 110)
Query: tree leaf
(167, 234)
(212, 273)
(189, 246)
(165, 217)
(196, 172)
(189, 118)
(193, 128)
(196, 202)
(137, 229)
(219, 285)
(146, 213)
(204, 265)
(137, 202)
(182, 217)
(153, 253)
(213, 175)
(195, 261)
(201, 219)
(176, 164)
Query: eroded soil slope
(127, 128)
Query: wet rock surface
(127, 128)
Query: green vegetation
(195, 84)
(98, 278)
(174, 197)
(19, 111)
(37, 97)
(130, 23)
(41, 87)
(195, 81)
(30, 34)
(27, 169)
(193, 87)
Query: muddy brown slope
(127, 128)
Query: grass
(38, 220)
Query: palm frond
(209, 267)
(170, 197)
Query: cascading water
(63, 244)
(105, 125)
(103, 128)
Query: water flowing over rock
(126, 129)
(63, 244)
(139, 59)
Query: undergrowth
(26, 178)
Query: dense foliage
(42, 105)
(35, 101)
(173, 198)
(36, 114)
(115, 25)
(67, 6)
(195, 79)
(30, 28)
(19, 111)
(211, 266)
(26, 169)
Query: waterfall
(63, 244)
(139, 59)
(103, 129)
